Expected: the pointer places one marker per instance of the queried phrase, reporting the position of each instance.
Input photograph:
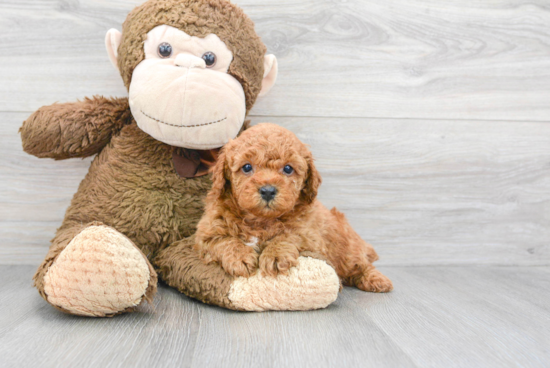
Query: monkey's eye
(247, 169)
(209, 58)
(288, 169)
(165, 50)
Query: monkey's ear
(112, 41)
(270, 74)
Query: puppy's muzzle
(268, 193)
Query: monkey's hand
(75, 129)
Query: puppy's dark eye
(209, 58)
(288, 169)
(247, 168)
(165, 50)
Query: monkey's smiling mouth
(183, 126)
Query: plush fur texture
(198, 18)
(77, 129)
(241, 230)
(312, 285)
(132, 186)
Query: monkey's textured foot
(100, 273)
(312, 284)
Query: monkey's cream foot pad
(99, 273)
(313, 284)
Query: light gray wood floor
(466, 316)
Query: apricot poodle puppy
(262, 212)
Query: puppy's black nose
(268, 192)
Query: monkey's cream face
(182, 95)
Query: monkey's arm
(75, 129)
(312, 285)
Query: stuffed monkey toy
(193, 70)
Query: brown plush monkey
(193, 69)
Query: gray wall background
(430, 120)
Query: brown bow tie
(193, 163)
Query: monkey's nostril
(268, 192)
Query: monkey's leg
(93, 270)
(313, 284)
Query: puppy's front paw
(376, 282)
(273, 262)
(244, 263)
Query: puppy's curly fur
(241, 229)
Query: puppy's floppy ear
(219, 177)
(312, 182)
